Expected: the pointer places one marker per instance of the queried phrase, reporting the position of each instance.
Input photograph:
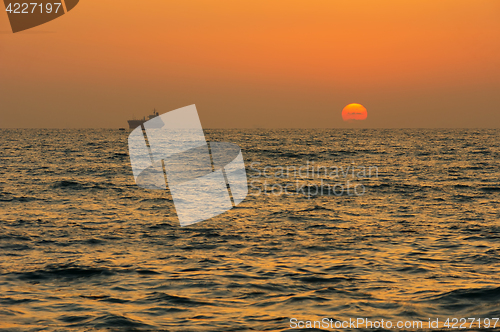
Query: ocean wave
(63, 272)
(159, 297)
(467, 296)
(113, 322)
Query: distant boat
(132, 124)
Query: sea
(399, 225)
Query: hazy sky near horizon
(411, 63)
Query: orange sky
(256, 64)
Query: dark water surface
(83, 248)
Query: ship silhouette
(132, 124)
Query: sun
(354, 112)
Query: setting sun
(354, 112)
